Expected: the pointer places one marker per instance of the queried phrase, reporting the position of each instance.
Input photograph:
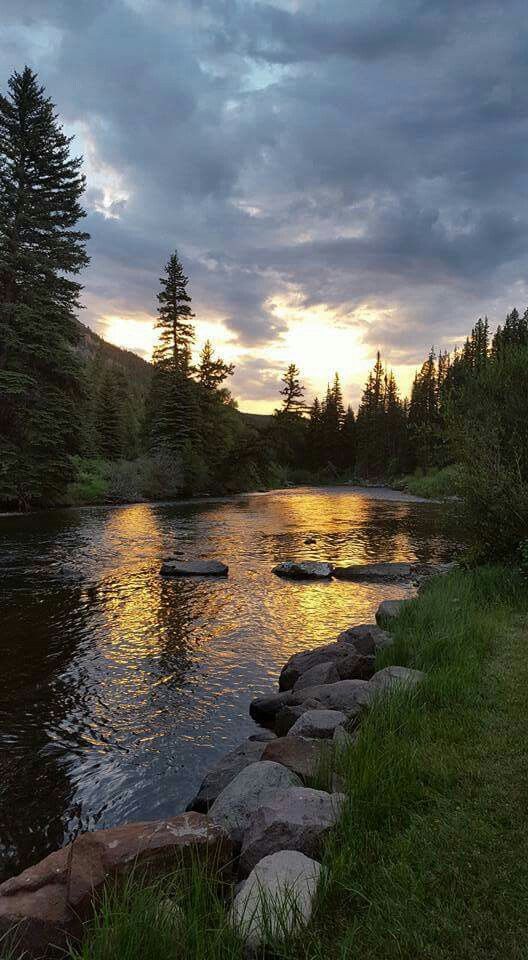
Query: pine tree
(292, 392)
(176, 331)
(213, 371)
(173, 411)
(111, 415)
(40, 374)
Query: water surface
(119, 688)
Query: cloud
(350, 155)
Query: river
(119, 687)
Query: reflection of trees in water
(35, 789)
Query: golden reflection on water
(153, 676)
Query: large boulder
(346, 695)
(297, 819)
(301, 755)
(287, 716)
(194, 568)
(232, 809)
(225, 770)
(303, 570)
(374, 572)
(388, 611)
(47, 903)
(265, 709)
(321, 673)
(366, 638)
(300, 663)
(276, 899)
(317, 724)
(396, 676)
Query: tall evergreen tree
(173, 411)
(292, 392)
(212, 371)
(40, 249)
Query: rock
(396, 676)
(49, 901)
(276, 899)
(297, 819)
(317, 723)
(300, 663)
(389, 610)
(287, 716)
(310, 540)
(343, 738)
(304, 757)
(265, 709)
(262, 736)
(348, 696)
(223, 771)
(432, 569)
(321, 673)
(367, 638)
(232, 809)
(303, 570)
(375, 572)
(194, 568)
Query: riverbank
(429, 858)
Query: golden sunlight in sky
(317, 339)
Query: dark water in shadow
(119, 688)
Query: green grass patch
(436, 484)
(431, 858)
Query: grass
(430, 859)
(436, 484)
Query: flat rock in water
(194, 568)
(48, 902)
(276, 899)
(297, 819)
(304, 757)
(375, 572)
(225, 770)
(396, 676)
(232, 809)
(389, 610)
(304, 570)
(317, 723)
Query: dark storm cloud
(349, 154)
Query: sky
(338, 177)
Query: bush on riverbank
(436, 484)
(434, 786)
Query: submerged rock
(194, 568)
(375, 572)
(225, 770)
(47, 903)
(276, 899)
(232, 809)
(297, 819)
(303, 570)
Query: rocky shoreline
(256, 816)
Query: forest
(81, 421)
